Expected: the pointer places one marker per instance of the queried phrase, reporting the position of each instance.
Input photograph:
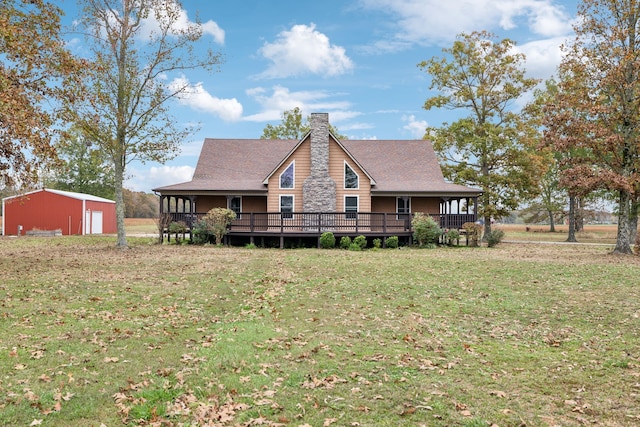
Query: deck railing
(319, 222)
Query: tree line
(85, 119)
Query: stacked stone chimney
(319, 189)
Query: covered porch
(254, 227)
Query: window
(351, 179)
(350, 206)
(235, 204)
(287, 176)
(403, 207)
(286, 207)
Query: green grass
(529, 334)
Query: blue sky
(355, 59)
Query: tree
(140, 205)
(292, 127)
(136, 46)
(493, 147)
(36, 74)
(550, 203)
(596, 115)
(83, 167)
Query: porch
(282, 225)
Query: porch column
(447, 209)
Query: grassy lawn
(167, 335)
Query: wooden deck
(280, 225)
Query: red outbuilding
(55, 210)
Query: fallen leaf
(498, 393)
(36, 423)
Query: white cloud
(157, 176)
(416, 128)
(303, 50)
(182, 23)
(281, 99)
(197, 97)
(543, 56)
(435, 21)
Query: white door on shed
(93, 222)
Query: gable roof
(304, 138)
(404, 166)
(70, 194)
(394, 166)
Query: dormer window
(351, 178)
(287, 177)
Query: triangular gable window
(351, 179)
(287, 176)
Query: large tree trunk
(119, 179)
(552, 223)
(572, 219)
(623, 244)
(487, 228)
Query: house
(57, 212)
(290, 188)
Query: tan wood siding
(337, 157)
(302, 157)
(383, 204)
(430, 205)
(254, 204)
(205, 203)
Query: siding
(302, 157)
(205, 203)
(46, 210)
(337, 157)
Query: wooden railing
(319, 222)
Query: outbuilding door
(93, 222)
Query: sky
(354, 59)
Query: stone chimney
(319, 190)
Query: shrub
(200, 233)
(473, 231)
(327, 240)
(360, 241)
(177, 228)
(392, 242)
(452, 236)
(425, 230)
(377, 243)
(494, 237)
(218, 221)
(345, 242)
(250, 246)
(355, 247)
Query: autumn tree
(293, 127)
(139, 204)
(83, 167)
(140, 47)
(596, 115)
(37, 72)
(493, 146)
